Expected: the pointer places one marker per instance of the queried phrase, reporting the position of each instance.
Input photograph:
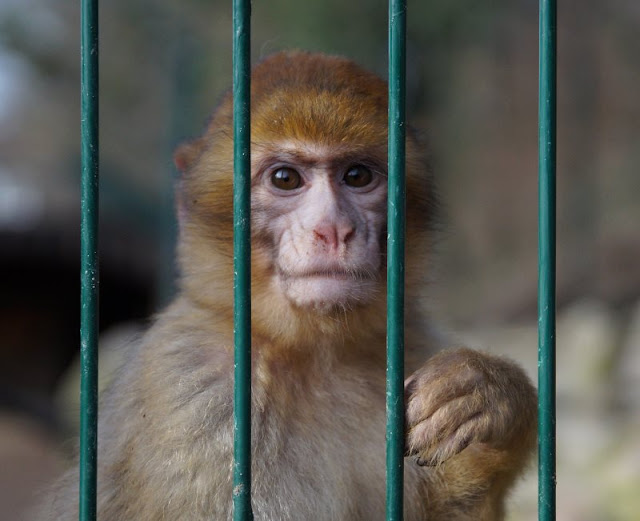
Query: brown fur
(318, 378)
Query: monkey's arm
(472, 417)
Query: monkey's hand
(462, 397)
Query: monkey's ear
(187, 153)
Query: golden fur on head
(303, 98)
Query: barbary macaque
(318, 228)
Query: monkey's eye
(358, 176)
(286, 179)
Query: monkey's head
(318, 199)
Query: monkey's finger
(443, 423)
(468, 433)
(424, 399)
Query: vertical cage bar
(547, 257)
(242, 261)
(395, 261)
(89, 276)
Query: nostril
(349, 234)
(326, 234)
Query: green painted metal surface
(242, 261)
(547, 257)
(89, 276)
(395, 261)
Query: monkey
(318, 286)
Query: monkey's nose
(334, 235)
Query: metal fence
(395, 274)
(546, 263)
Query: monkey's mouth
(338, 273)
(329, 287)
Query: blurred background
(472, 88)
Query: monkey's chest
(328, 463)
(324, 459)
(320, 457)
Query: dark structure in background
(39, 306)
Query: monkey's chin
(326, 293)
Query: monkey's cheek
(327, 293)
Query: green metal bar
(547, 257)
(395, 261)
(89, 276)
(242, 261)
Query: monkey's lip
(328, 286)
(338, 273)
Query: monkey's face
(319, 190)
(318, 216)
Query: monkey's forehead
(320, 116)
